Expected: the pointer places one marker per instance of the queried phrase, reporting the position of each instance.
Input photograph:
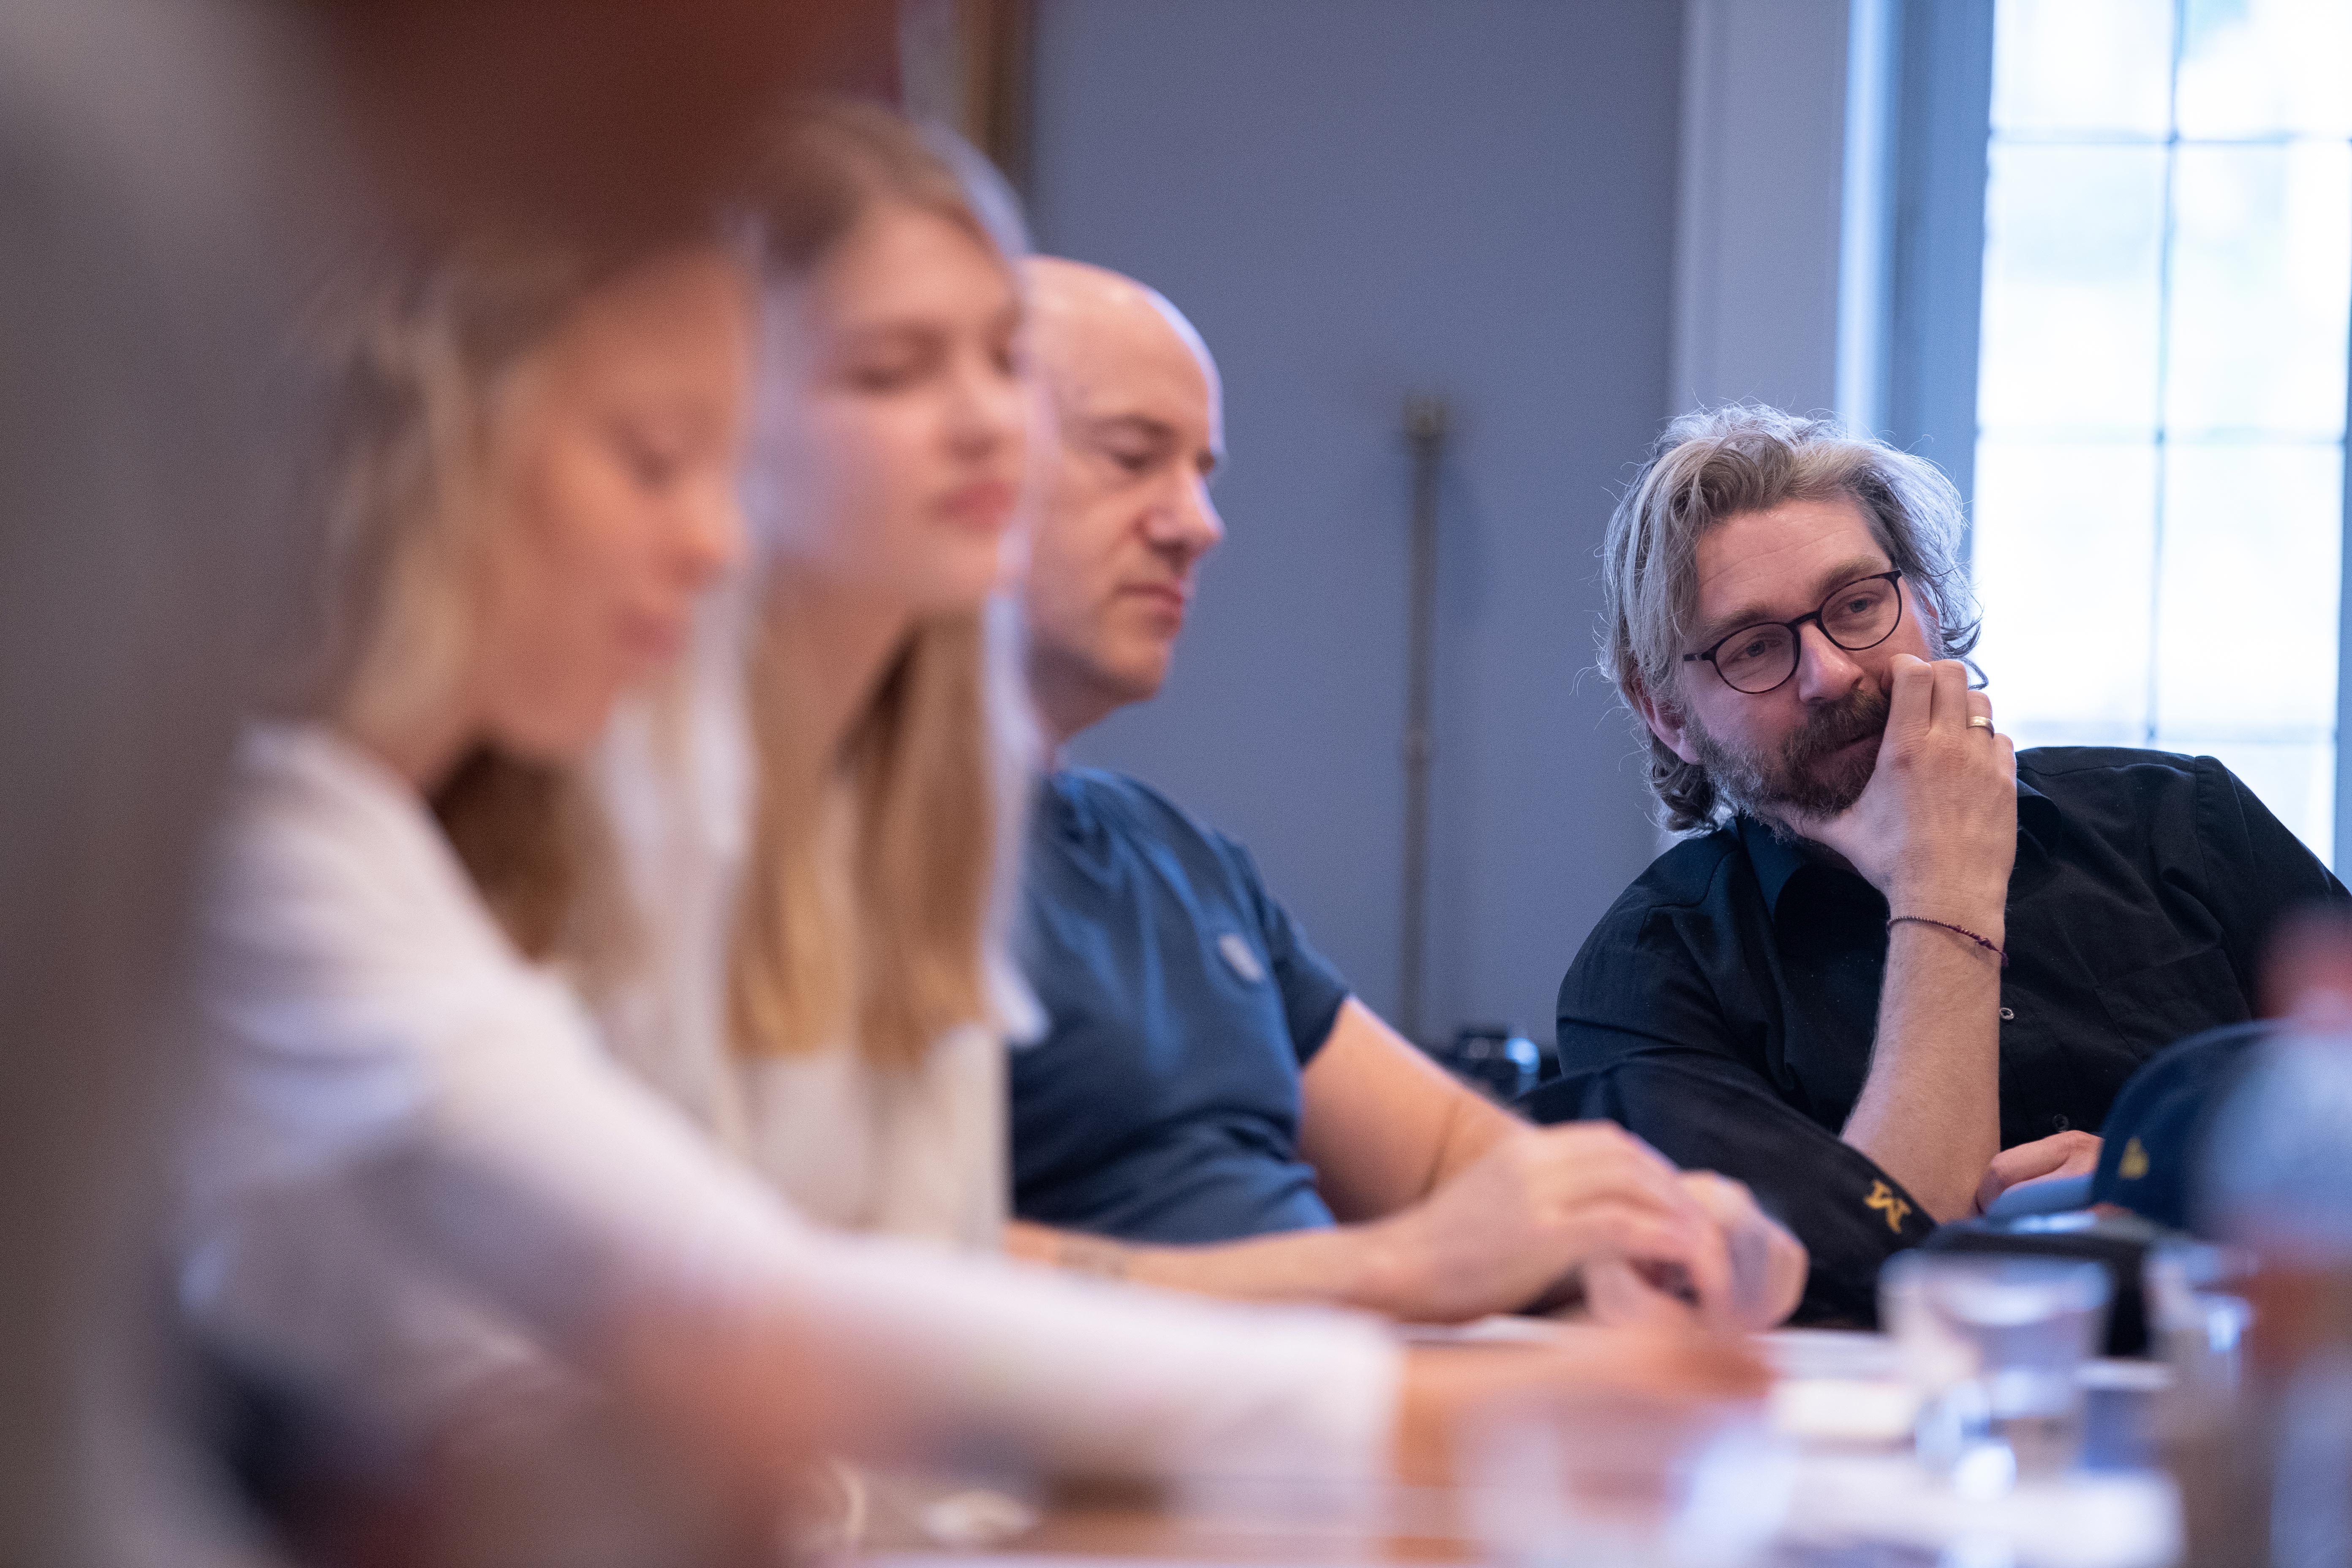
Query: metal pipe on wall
(1426, 421)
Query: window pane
(2162, 403)
(2073, 239)
(2064, 557)
(2246, 610)
(2296, 779)
(2082, 66)
(2262, 281)
(2069, 731)
(2250, 67)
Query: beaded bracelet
(1994, 947)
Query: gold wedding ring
(1978, 721)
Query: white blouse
(414, 1163)
(918, 1153)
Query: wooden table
(1830, 1522)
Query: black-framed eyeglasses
(1761, 658)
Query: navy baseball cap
(2152, 1160)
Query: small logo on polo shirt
(1238, 954)
(1882, 1196)
(2134, 1164)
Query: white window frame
(1911, 285)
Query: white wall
(1355, 200)
(1762, 177)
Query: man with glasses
(1884, 929)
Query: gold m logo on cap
(1882, 1196)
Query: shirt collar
(1778, 861)
(1063, 799)
(2037, 814)
(1775, 860)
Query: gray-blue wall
(1357, 199)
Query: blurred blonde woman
(528, 473)
(856, 1058)
(416, 1176)
(868, 998)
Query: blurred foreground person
(146, 187)
(2246, 1134)
(422, 1193)
(1894, 968)
(165, 166)
(1208, 1079)
(604, 120)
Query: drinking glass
(1622, 1484)
(1995, 1347)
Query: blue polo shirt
(1162, 1103)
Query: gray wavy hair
(1716, 464)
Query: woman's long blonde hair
(903, 948)
(415, 360)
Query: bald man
(1212, 1109)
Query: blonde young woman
(417, 1174)
(856, 1060)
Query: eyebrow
(1142, 425)
(920, 327)
(1753, 615)
(889, 333)
(1158, 432)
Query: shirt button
(2061, 1123)
(2006, 1015)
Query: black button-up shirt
(2145, 889)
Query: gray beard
(1797, 780)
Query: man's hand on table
(1768, 1264)
(2060, 1154)
(1767, 1273)
(1589, 1200)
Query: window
(2160, 382)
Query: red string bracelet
(1991, 947)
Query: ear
(1931, 629)
(1666, 721)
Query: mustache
(1860, 716)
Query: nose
(1186, 524)
(989, 408)
(710, 536)
(1825, 672)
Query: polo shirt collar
(1778, 861)
(1062, 805)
